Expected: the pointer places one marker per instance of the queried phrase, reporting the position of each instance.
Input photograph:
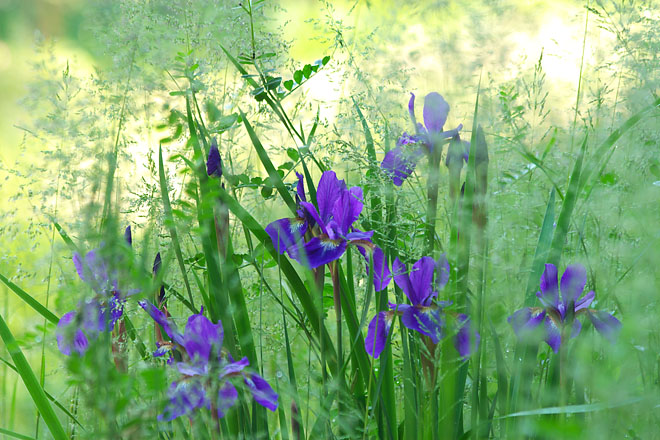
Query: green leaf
(298, 76)
(325, 60)
(288, 84)
(31, 383)
(292, 153)
(273, 83)
(307, 70)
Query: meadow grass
(554, 175)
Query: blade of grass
(268, 165)
(27, 298)
(13, 434)
(169, 222)
(31, 383)
(567, 207)
(289, 272)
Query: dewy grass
(315, 276)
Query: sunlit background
(67, 66)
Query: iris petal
(572, 283)
(399, 164)
(585, 301)
(606, 324)
(327, 193)
(379, 328)
(261, 391)
(441, 272)
(425, 321)
(526, 320)
(467, 339)
(319, 251)
(552, 334)
(382, 275)
(286, 233)
(227, 396)
(168, 325)
(202, 338)
(436, 110)
(402, 279)
(185, 397)
(549, 294)
(421, 279)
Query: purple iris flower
(95, 315)
(285, 233)
(424, 315)
(318, 236)
(557, 319)
(204, 368)
(214, 162)
(400, 162)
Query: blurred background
(70, 69)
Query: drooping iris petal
(549, 294)
(436, 110)
(526, 320)
(441, 272)
(168, 325)
(70, 339)
(425, 321)
(185, 397)
(400, 164)
(606, 324)
(585, 301)
(421, 279)
(382, 275)
(319, 251)
(572, 283)
(196, 369)
(214, 162)
(227, 396)
(467, 339)
(261, 391)
(202, 338)
(552, 334)
(377, 332)
(234, 367)
(285, 233)
(359, 235)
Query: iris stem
(336, 290)
(432, 185)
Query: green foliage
(126, 143)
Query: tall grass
(524, 198)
